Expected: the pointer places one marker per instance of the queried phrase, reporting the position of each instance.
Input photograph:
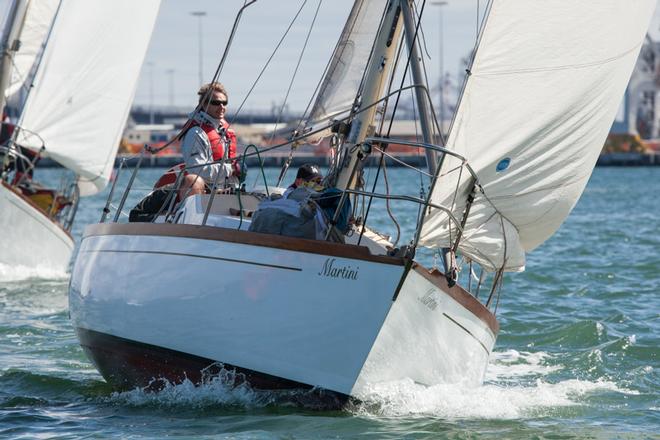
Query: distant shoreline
(165, 161)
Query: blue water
(576, 357)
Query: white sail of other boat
(85, 85)
(39, 18)
(79, 67)
(533, 157)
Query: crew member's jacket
(203, 143)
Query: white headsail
(341, 83)
(544, 89)
(85, 84)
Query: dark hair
(308, 172)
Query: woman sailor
(207, 138)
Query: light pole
(440, 4)
(170, 73)
(199, 15)
(151, 92)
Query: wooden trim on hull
(242, 237)
(460, 295)
(35, 207)
(126, 364)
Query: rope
(295, 72)
(270, 58)
(286, 97)
(389, 209)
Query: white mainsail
(544, 89)
(38, 21)
(85, 84)
(341, 83)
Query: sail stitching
(567, 182)
(565, 67)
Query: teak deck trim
(243, 237)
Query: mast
(11, 44)
(380, 65)
(425, 119)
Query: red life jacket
(217, 148)
(217, 142)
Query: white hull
(29, 237)
(302, 311)
(431, 337)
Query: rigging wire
(389, 208)
(437, 127)
(405, 72)
(207, 99)
(277, 47)
(391, 123)
(402, 163)
(321, 79)
(286, 97)
(325, 127)
(295, 72)
(423, 36)
(333, 172)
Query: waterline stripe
(180, 254)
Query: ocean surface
(577, 355)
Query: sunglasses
(218, 102)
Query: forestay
(85, 84)
(346, 69)
(544, 88)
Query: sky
(171, 70)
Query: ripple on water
(579, 348)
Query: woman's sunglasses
(218, 102)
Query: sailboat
(69, 70)
(195, 293)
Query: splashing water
(226, 388)
(505, 395)
(21, 273)
(577, 354)
(405, 398)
